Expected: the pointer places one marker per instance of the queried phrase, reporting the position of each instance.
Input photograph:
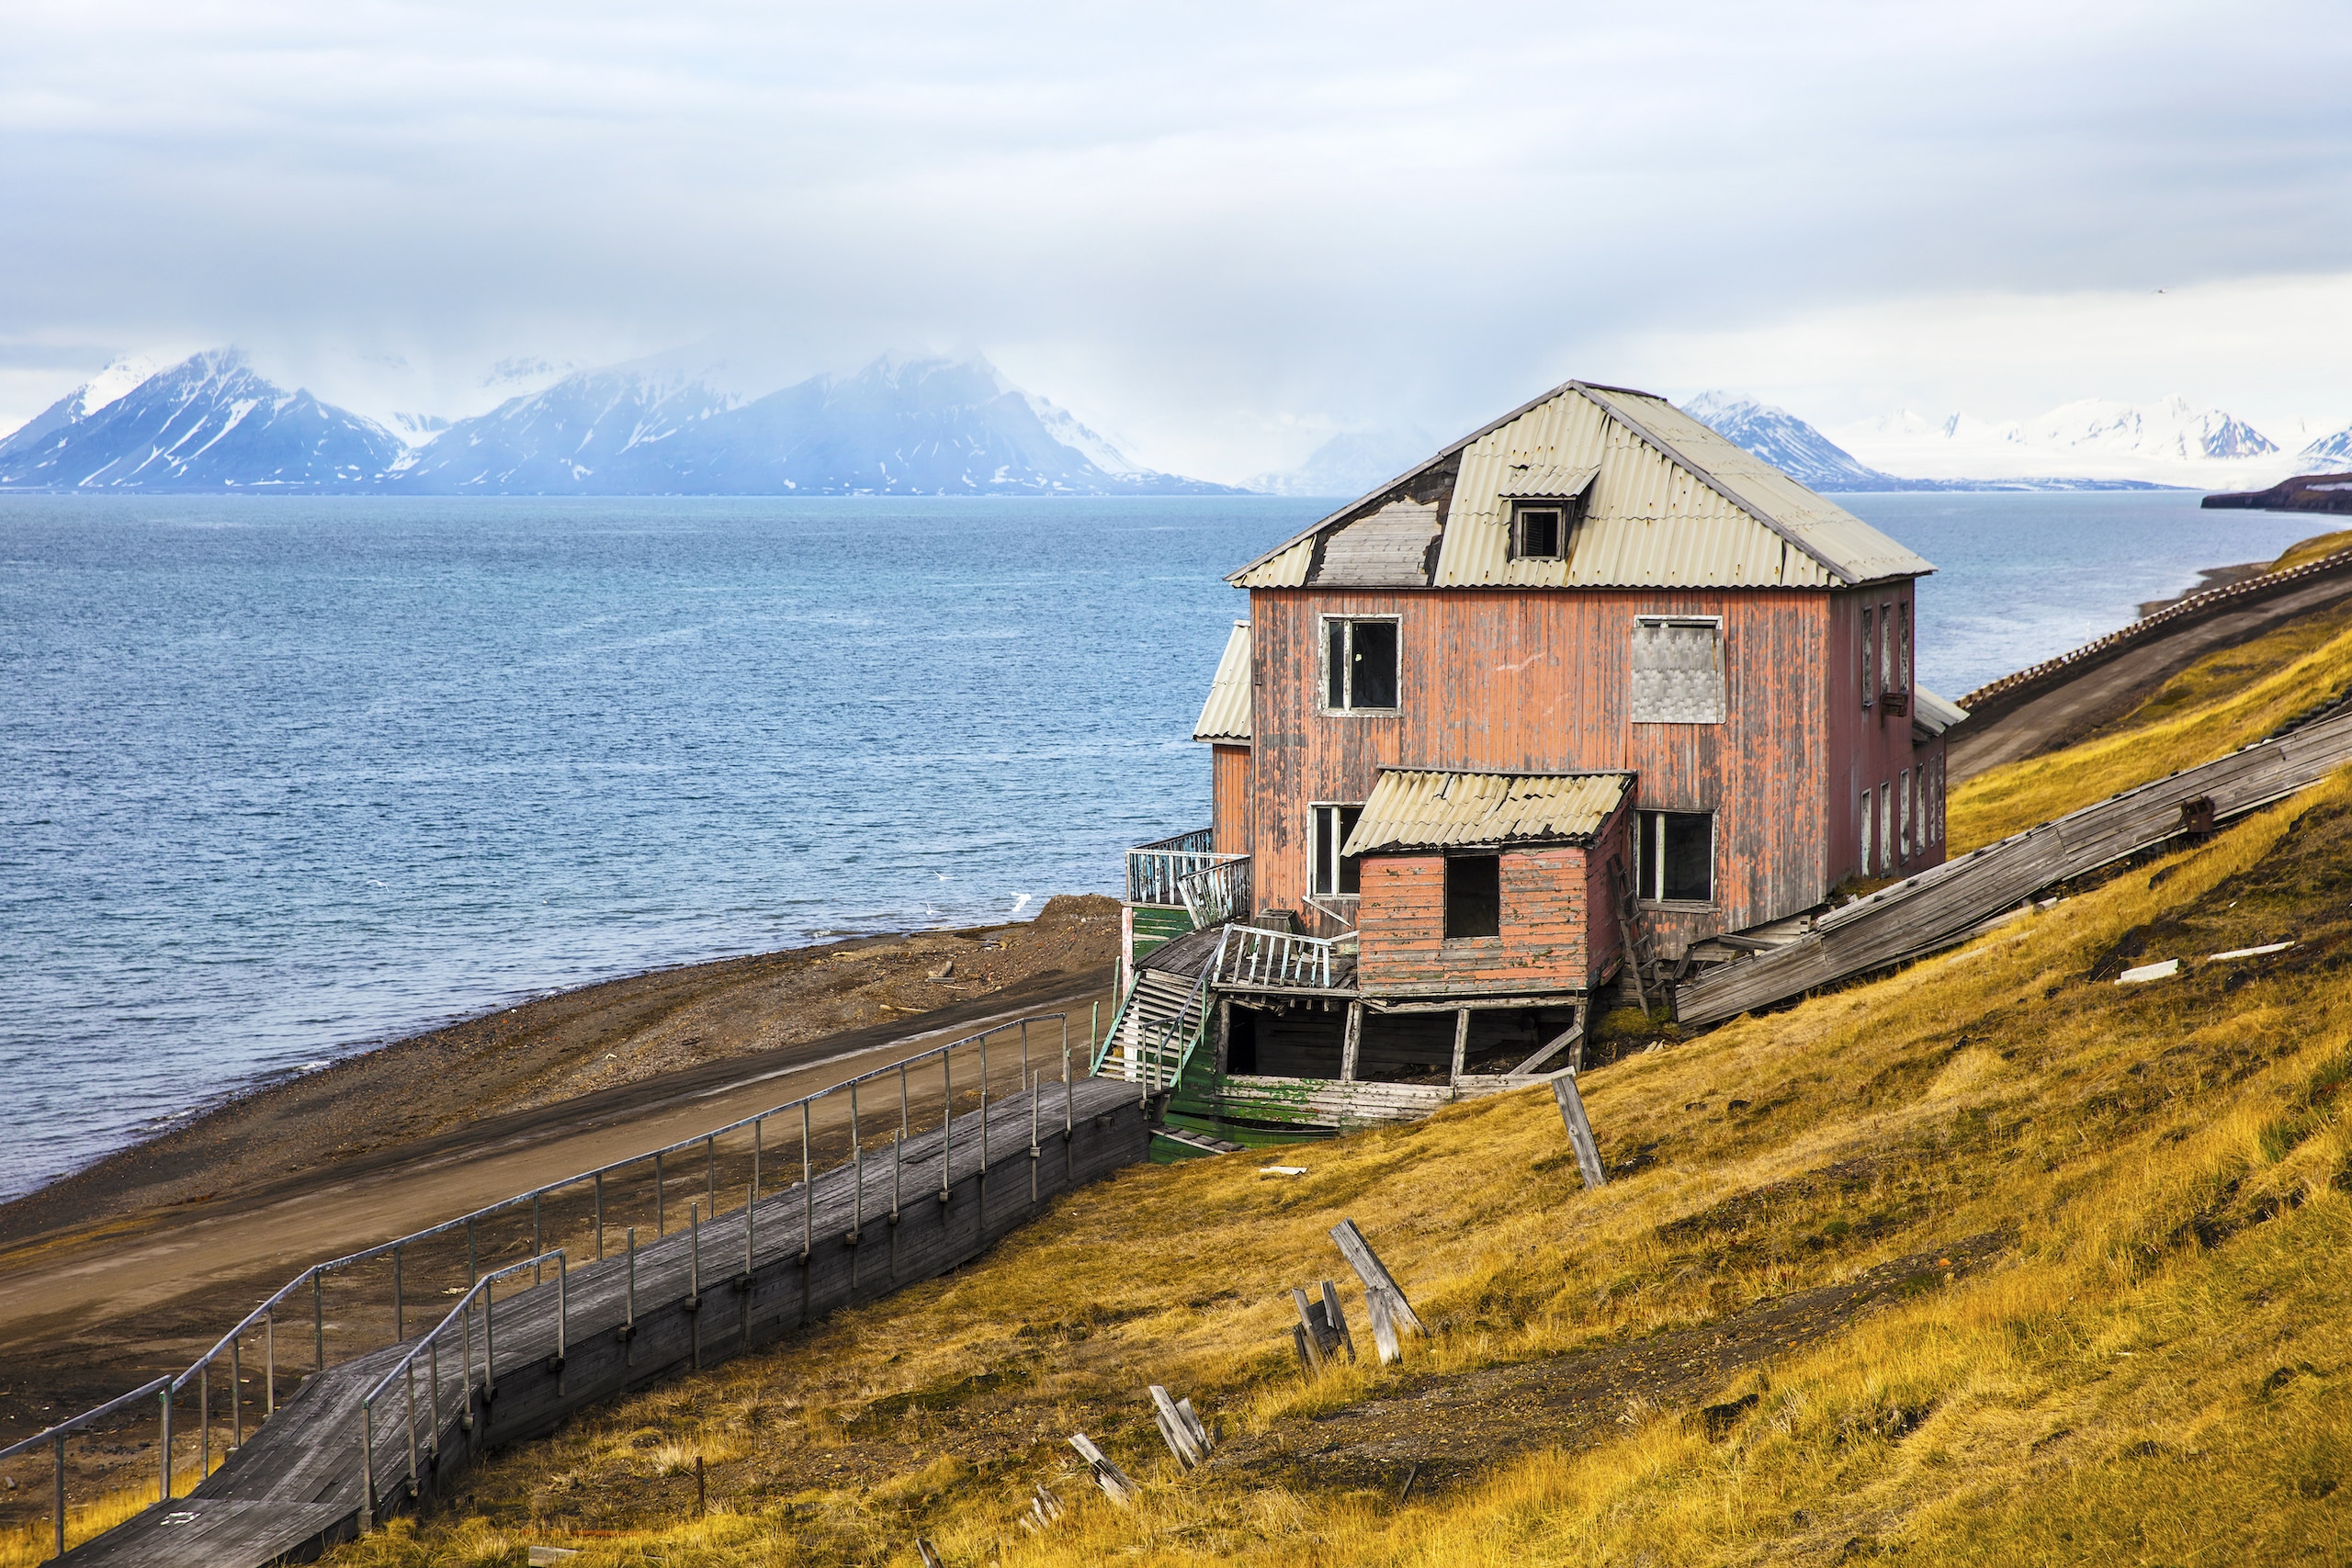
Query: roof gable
(1668, 504)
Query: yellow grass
(2313, 550)
(2110, 1389)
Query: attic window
(1542, 530)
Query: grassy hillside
(2019, 1264)
(2228, 699)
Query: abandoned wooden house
(1589, 698)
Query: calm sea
(280, 779)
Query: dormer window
(1543, 530)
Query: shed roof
(1668, 503)
(1225, 716)
(1431, 809)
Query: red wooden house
(1592, 675)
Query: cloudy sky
(1220, 231)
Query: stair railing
(1216, 893)
(1277, 960)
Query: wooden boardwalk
(296, 1485)
(1940, 905)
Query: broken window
(1885, 827)
(1674, 856)
(1677, 672)
(1866, 833)
(1902, 647)
(1903, 805)
(1360, 664)
(1473, 896)
(1541, 530)
(1886, 648)
(1336, 874)
(1870, 690)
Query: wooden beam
(1460, 1040)
(1563, 1090)
(1349, 1044)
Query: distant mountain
(1790, 444)
(910, 427)
(2170, 441)
(2329, 454)
(1350, 464)
(1815, 461)
(210, 422)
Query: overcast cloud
(1219, 231)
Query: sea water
(283, 778)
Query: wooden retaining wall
(294, 1488)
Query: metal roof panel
(1430, 809)
(1225, 716)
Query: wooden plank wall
(1550, 931)
(1537, 681)
(1867, 746)
(1229, 792)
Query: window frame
(1323, 666)
(1570, 510)
(1649, 862)
(1446, 897)
(1870, 660)
(1340, 827)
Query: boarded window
(1473, 896)
(1678, 672)
(1674, 856)
(1336, 874)
(1360, 665)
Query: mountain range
(924, 426)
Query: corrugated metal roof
(1418, 810)
(1931, 713)
(1225, 716)
(1668, 503)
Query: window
(1473, 896)
(1359, 665)
(1886, 648)
(1674, 856)
(1866, 833)
(1885, 828)
(1677, 672)
(1870, 690)
(1902, 647)
(1336, 874)
(1903, 799)
(1542, 530)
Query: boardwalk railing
(262, 1321)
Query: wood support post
(1461, 1041)
(1350, 1041)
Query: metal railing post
(710, 1176)
(367, 1466)
(237, 1395)
(661, 1201)
(751, 1199)
(807, 1193)
(473, 1268)
(432, 1391)
(399, 1316)
(408, 1386)
(489, 1345)
(600, 1217)
(319, 1314)
(628, 1319)
(60, 1495)
(857, 1169)
(466, 1368)
(694, 1254)
(269, 1354)
(166, 1444)
(537, 1245)
(946, 1120)
(562, 1303)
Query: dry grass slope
(2147, 1371)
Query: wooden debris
(1281, 1170)
(1384, 1299)
(544, 1556)
(1563, 1090)
(2266, 949)
(1044, 1509)
(2146, 972)
(1336, 1319)
(1179, 1428)
(1320, 1327)
(929, 1553)
(1108, 1476)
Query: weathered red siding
(1869, 747)
(1551, 940)
(1230, 798)
(1537, 681)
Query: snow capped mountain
(1789, 443)
(2328, 455)
(1351, 464)
(2168, 442)
(897, 427)
(210, 422)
